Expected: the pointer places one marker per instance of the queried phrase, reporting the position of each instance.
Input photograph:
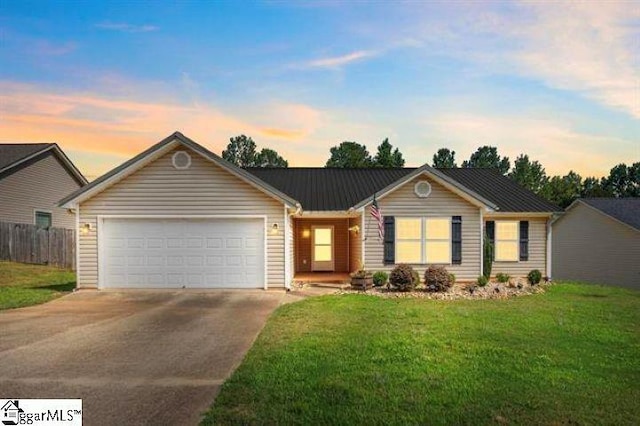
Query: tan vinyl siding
(537, 249)
(355, 244)
(38, 186)
(590, 246)
(292, 248)
(340, 241)
(440, 203)
(160, 189)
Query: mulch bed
(492, 290)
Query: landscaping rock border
(493, 290)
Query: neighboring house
(178, 216)
(33, 178)
(598, 240)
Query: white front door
(181, 253)
(322, 258)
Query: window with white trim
(438, 240)
(422, 240)
(506, 241)
(43, 219)
(409, 240)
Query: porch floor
(322, 277)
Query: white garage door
(182, 253)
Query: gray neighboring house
(598, 240)
(33, 178)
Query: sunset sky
(557, 80)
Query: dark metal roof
(327, 189)
(508, 195)
(13, 152)
(626, 210)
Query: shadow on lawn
(63, 287)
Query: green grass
(25, 285)
(569, 356)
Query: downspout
(549, 245)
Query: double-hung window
(506, 241)
(422, 240)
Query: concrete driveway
(133, 357)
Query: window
(43, 219)
(506, 241)
(409, 240)
(423, 240)
(438, 240)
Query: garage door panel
(176, 253)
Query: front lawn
(24, 285)
(569, 356)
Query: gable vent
(422, 189)
(181, 160)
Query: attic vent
(422, 189)
(181, 160)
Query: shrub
(482, 281)
(487, 259)
(416, 278)
(452, 278)
(402, 277)
(380, 278)
(437, 278)
(502, 278)
(534, 277)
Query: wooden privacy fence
(21, 242)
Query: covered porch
(326, 248)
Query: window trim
(35, 217)
(413, 240)
(423, 240)
(516, 240)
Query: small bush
(416, 278)
(487, 259)
(380, 278)
(482, 281)
(452, 278)
(534, 277)
(437, 278)
(402, 277)
(502, 278)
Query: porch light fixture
(85, 228)
(306, 233)
(274, 229)
(355, 229)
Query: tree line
(622, 181)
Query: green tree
(241, 151)
(270, 158)
(593, 187)
(529, 174)
(444, 159)
(623, 181)
(349, 154)
(563, 190)
(387, 157)
(487, 157)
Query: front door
(322, 248)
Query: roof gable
(15, 156)
(625, 210)
(156, 151)
(330, 189)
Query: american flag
(377, 215)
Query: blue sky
(559, 81)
